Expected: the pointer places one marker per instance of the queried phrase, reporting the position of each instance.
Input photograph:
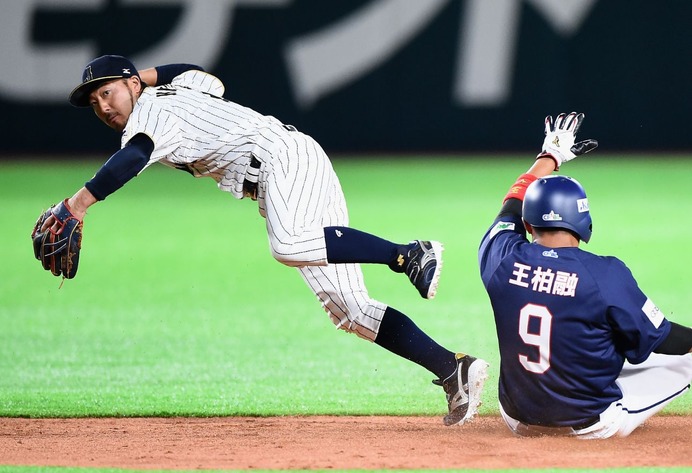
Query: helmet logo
(551, 217)
(583, 205)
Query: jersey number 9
(539, 338)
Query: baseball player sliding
(584, 352)
(176, 115)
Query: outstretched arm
(124, 165)
(165, 74)
(149, 76)
(80, 202)
(558, 148)
(543, 166)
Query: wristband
(545, 154)
(518, 189)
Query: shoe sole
(478, 375)
(437, 249)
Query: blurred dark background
(386, 76)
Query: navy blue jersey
(566, 320)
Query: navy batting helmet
(558, 202)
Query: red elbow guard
(518, 189)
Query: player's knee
(353, 326)
(298, 254)
(359, 315)
(284, 255)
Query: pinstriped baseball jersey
(194, 129)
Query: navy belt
(532, 430)
(251, 178)
(586, 423)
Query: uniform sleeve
(505, 234)
(507, 230)
(159, 124)
(678, 341)
(168, 72)
(638, 324)
(121, 167)
(201, 81)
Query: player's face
(113, 102)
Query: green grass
(179, 308)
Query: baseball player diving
(584, 352)
(176, 114)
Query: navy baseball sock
(401, 336)
(347, 245)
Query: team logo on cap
(88, 75)
(551, 217)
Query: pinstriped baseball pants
(299, 196)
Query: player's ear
(137, 83)
(528, 228)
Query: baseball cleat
(463, 389)
(422, 262)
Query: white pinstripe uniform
(298, 193)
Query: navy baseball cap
(100, 70)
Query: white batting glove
(559, 139)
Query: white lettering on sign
(319, 63)
(47, 73)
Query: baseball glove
(57, 246)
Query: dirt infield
(326, 443)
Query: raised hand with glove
(559, 138)
(558, 148)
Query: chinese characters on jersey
(558, 283)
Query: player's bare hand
(559, 138)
